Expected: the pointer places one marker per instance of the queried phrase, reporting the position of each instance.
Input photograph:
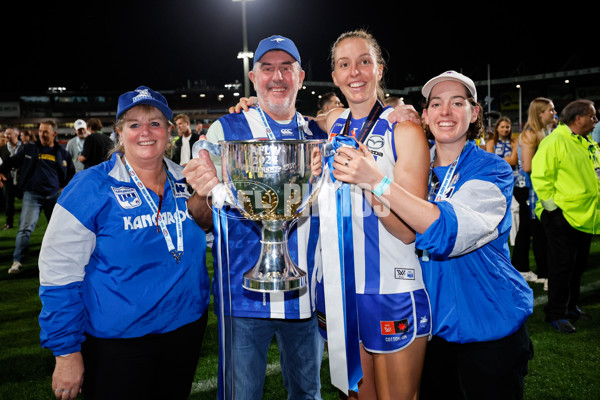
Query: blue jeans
(32, 204)
(300, 355)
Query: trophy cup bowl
(271, 182)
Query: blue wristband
(382, 186)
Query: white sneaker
(15, 268)
(545, 285)
(529, 276)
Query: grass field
(564, 366)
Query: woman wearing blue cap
(123, 279)
(479, 302)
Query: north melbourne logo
(127, 197)
(143, 94)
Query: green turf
(564, 366)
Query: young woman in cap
(479, 302)
(124, 284)
(381, 275)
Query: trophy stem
(275, 270)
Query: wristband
(382, 186)
(65, 355)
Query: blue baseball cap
(276, 42)
(143, 95)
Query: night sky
(112, 45)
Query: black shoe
(563, 326)
(577, 313)
(5, 227)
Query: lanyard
(442, 189)
(447, 178)
(159, 220)
(269, 131)
(369, 122)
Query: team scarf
(335, 212)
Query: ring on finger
(347, 162)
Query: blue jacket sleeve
(62, 318)
(66, 250)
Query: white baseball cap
(450, 76)
(79, 124)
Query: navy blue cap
(276, 42)
(143, 95)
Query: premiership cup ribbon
(337, 142)
(225, 389)
(338, 277)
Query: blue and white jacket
(476, 294)
(105, 271)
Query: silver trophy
(273, 182)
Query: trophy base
(274, 283)
(275, 270)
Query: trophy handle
(213, 148)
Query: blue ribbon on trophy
(223, 305)
(335, 211)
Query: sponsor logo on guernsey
(287, 132)
(394, 327)
(374, 143)
(404, 273)
(127, 197)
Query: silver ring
(66, 391)
(58, 390)
(347, 162)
